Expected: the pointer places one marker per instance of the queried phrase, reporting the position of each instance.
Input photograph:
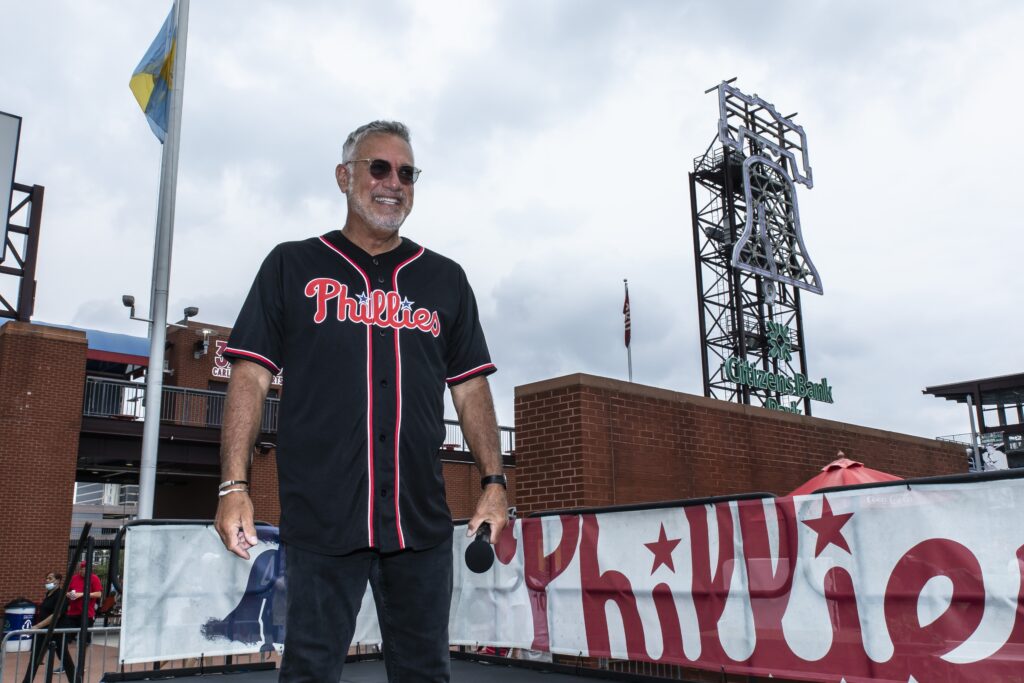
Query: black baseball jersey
(369, 343)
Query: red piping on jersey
(254, 356)
(467, 373)
(369, 400)
(398, 403)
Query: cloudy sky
(555, 137)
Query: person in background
(45, 615)
(76, 594)
(76, 605)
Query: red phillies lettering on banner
(540, 570)
(376, 307)
(885, 584)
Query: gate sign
(914, 582)
(10, 132)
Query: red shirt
(75, 606)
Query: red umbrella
(842, 472)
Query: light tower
(750, 258)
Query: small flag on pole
(151, 81)
(625, 313)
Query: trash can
(18, 615)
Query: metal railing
(962, 439)
(121, 400)
(17, 647)
(455, 440)
(101, 656)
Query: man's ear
(341, 174)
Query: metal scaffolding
(750, 259)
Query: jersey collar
(389, 258)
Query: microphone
(479, 553)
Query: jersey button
(381, 333)
(380, 279)
(384, 383)
(383, 436)
(383, 493)
(376, 262)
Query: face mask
(50, 586)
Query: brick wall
(41, 371)
(189, 371)
(590, 441)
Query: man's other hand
(235, 523)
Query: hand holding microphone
(479, 553)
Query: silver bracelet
(231, 482)
(221, 494)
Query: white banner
(911, 582)
(186, 596)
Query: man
(76, 595)
(78, 602)
(371, 328)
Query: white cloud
(555, 140)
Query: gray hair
(395, 128)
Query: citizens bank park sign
(921, 581)
(798, 385)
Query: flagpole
(629, 318)
(162, 268)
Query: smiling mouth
(388, 201)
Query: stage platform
(372, 671)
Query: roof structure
(1005, 390)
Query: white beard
(368, 212)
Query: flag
(625, 313)
(151, 81)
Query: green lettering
(801, 386)
(729, 369)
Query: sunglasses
(381, 169)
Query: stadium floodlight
(128, 301)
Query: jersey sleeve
(258, 332)
(467, 355)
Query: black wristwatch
(494, 479)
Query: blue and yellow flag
(151, 81)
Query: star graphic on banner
(829, 528)
(406, 304)
(662, 549)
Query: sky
(555, 138)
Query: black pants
(412, 590)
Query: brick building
(71, 409)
